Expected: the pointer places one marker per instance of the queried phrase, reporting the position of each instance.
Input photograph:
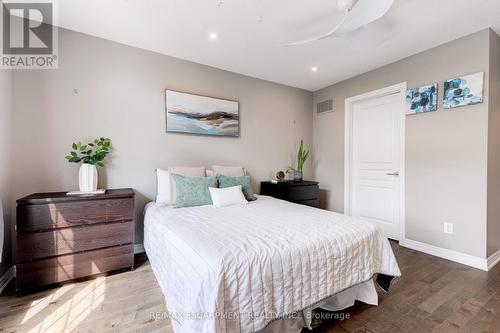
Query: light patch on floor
(37, 306)
(121, 302)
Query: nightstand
(304, 193)
(61, 237)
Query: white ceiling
(250, 33)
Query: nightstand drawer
(299, 193)
(311, 203)
(73, 266)
(64, 241)
(304, 193)
(70, 214)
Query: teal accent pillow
(193, 191)
(244, 181)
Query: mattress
(237, 269)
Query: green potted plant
(90, 155)
(302, 156)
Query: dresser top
(44, 198)
(292, 183)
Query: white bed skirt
(364, 292)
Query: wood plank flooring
(433, 295)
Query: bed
(261, 267)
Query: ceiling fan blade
(373, 35)
(363, 13)
(328, 34)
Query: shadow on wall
(140, 203)
(324, 198)
(5, 232)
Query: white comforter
(235, 269)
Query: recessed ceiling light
(212, 36)
(314, 69)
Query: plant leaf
(299, 155)
(93, 153)
(305, 157)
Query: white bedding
(235, 269)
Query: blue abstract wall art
(422, 99)
(465, 90)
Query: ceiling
(249, 33)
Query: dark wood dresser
(305, 192)
(61, 238)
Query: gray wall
(5, 150)
(494, 147)
(446, 151)
(121, 95)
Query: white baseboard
(6, 278)
(493, 259)
(461, 258)
(138, 248)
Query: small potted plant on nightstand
(90, 155)
(302, 156)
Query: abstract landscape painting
(466, 90)
(188, 113)
(422, 99)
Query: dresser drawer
(64, 241)
(73, 266)
(69, 214)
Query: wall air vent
(325, 106)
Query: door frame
(399, 88)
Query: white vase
(88, 178)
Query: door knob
(395, 173)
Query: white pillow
(165, 185)
(229, 196)
(163, 194)
(229, 171)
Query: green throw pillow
(244, 181)
(193, 191)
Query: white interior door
(376, 161)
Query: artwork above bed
(195, 114)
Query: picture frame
(201, 115)
(463, 90)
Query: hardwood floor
(433, 295)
